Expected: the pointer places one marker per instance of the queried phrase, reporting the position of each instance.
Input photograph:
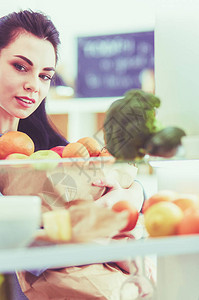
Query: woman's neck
(8, 123)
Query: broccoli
(131, 129)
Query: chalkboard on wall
(109, 65)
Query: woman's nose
(32, 85)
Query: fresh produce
(45, 155)
(20, 144)
(104, 156)
(57, 225)
(185, 201)
(132, 130)
(91, 145)
(163, 195)
(162, 219)
(15, 142)
(75, 150)
(190, 222)
(132, 213)
(165, 142)
(17, 156)
(104, 152)
(58, 149)
(170, 213)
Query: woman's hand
(114, 193)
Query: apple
(58, 149)
(133, 213)
(17, 156)
(49, 159)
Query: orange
(132, 213)
(190, 222)
(162, 219)
(104, 152)
(91, 145)
(15, 142)
(163, 195)
(186, 201)
(75, 150)
(108, 157)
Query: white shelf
(79, 105)
(81, 114)
(80, 254)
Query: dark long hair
(37, 125)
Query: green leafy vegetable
(130, 123)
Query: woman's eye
(19, 67)
(45, 77)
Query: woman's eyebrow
(49, 69)
(25, 59)
(31, 64)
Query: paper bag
(90, 222)
(96, 281)
(56, 187)
(60, 188)
(66, 182)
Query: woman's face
(27, 65)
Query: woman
(28, 56)
(25, 76)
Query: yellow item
(57, 225)
(162, 219)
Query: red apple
(133, 213)
(58, 150)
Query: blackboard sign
(110, 65)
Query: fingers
(104, 201)
(111, 197)
(99, 182)
(107, 182)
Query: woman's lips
(25, 101)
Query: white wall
(88, 17)
(177, 63)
